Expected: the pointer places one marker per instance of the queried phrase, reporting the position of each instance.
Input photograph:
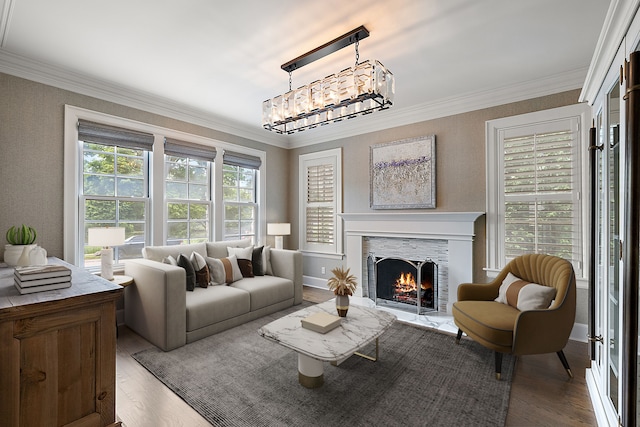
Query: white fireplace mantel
(457, 228)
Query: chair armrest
(542, 331)
(288, 264)
(155, 305)
(478, 291)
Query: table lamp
(106, 237)
(279, 229)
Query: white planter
(12, 253)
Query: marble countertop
(361, 326)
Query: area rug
(422, 378)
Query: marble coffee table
(361, 326)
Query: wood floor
(541, 393)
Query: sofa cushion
(185, 263)
(158, 253)
(523, 295)
(266, 290)
(215, 304)
(219, 249)
(490, 320)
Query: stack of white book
(38, 278)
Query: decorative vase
(24, 259)
(12, 253)
(342, 305)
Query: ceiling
(213, 62)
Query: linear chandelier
(362, 89)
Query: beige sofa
(159, 308)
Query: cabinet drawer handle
(102, 395)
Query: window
(114, 185)
(163, 186)
(188, 191)
(321, 201)
(239, 176)
(534, 186)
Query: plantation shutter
(112, 135)
(174, 147)
(320, 212)
(541, 211)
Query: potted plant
(343, 285)
(18, 239)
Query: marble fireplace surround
(456, 228)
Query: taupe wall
(31, 163)
(460, 169)
(31, 156)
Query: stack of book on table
(38, 278)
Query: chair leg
(458, 336)
(563, 359)
(498, 365)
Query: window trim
(337, 247)
(495, 180)
(256, 179)
(73, 241)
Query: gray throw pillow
(256, 261)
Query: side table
(123, 281)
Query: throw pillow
(244, 256)
(170, 260)
(246, 267)
(201, 269)
(241, 253)
(216, 271)
(266, 260)
(523, 295)
(224, 270)
(256, 261)
(184, 262)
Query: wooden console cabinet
(57, 353)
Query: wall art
(403, 174)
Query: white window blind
(534, 185)
(540, 212)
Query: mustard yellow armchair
(506, 329)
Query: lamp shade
(279, 229)
(106, 236)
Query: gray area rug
(422, 378)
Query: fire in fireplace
(396, 284)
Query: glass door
(614, 256)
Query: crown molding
(616, 24)
(441, 108)
(75, 82)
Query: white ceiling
(213, 62)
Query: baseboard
(315, 282)
(578, 333)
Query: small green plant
(23, 235)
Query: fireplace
(404, 284)
(444, 237)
